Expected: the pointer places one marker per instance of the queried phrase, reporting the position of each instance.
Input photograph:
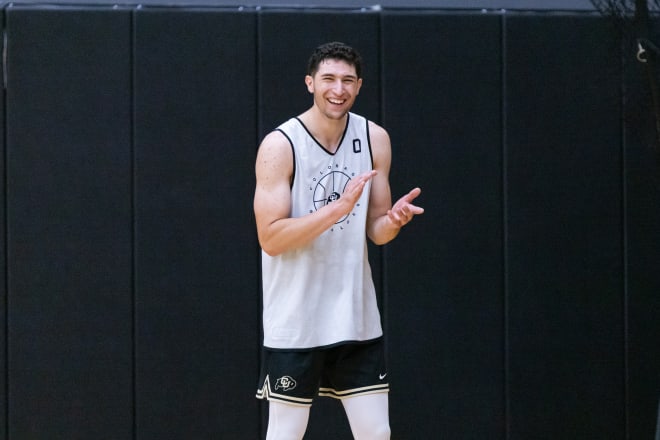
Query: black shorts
(346, 370)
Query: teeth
(336, 101)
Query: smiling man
(322, 187)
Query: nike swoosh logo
(382, 376)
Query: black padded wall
(642, 226)
(3, 281)
(522, 304)
(197, 276)
(444, 272)
(564, 274)
(69, 224)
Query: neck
(326, 130)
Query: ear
(359, 85)
(309, 81)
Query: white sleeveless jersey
(323, 294)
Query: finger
(361, 179)
(395, 218)
(416, 210)
(407, 207)
(367, 175)
(404, 214)
(413, 194)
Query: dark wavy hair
(334, 51)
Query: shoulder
(275, 140)
(275, 153)
(378, 134)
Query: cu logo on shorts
(286, 383)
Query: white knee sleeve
(369, 416)
(286, 422)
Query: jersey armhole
(293, 154)
(371, 154)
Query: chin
(337, 115)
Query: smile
(336, 101)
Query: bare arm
(386, 220)
(277, 231)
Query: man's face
(335, 87)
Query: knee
(285, 433)
(380, 432)
(383, 433)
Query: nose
(338, 86)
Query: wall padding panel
(441, 94)
(564, 224)
(197, 276)
(69, 223)
(286, 40)
(3, 289)
(642, 191)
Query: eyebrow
(332, 75)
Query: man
(322, 187)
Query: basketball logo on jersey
(357, 146)
(286, 383)
(330, 186)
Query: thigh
(368, 416)
(286, 422)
